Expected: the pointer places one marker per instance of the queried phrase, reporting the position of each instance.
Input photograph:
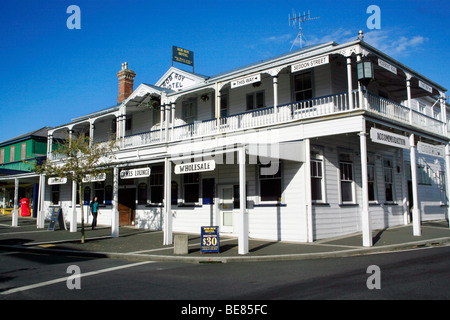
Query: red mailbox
(25, 207)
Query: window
(303, 87)
(270, 182)
(23, 151)
(128, 124)
(2, 156)
(11, 154)
(157, 184)
(224, 105)
(317, 177)
(142, 193)
(108, 194)
(424, 176)
(442, 188)
(191, 187)
(255, 100)
(99, 191)
(189, 110)
(388, 170)
(87, 195)
(156, 116)
(371, 177)
(55, 195)
(346, 177)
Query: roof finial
(360, 35)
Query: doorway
(127, 206)
(226, 203)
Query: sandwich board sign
(57, 217)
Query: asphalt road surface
(414, 274)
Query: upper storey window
(303, 86)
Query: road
(415, 274)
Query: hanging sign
(200, 166)
(57, 180)
(310, 64)
(183, 56)
(209, 240)
(389, 138)
(247, 80)
(431, 150)
(387, 66)
(425, 87)
(95, 178)
(135, 173)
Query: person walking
(94, 212)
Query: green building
(17, 158)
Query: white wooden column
(275, 98)
(40, 220)
(91, 132)
(15, 213)
(172, 122)
(168, 238)
(166, 127)
(365, 217)
(73, 223)
(349, 83)
(308, 195)
(408, 97)
(416, 210)
(115, 206)
(161, 122)
(243, 215)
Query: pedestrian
(94, 212)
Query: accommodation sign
(183, 56)
(200, 166)
(431, 150)
(95, 178)
(389, 138)
(247, 80)
(310, 63)
(135, 173)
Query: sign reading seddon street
(200, 166)
(310, 64)
(389, 138)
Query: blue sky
(51, 74)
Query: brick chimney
(126, 82)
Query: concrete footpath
(138, 244)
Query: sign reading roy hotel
(389, 138)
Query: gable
(176, 79)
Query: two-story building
(294, 148)
(17, 158)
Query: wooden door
(127, 205)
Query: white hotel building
(293, 148)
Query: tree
(80, 158)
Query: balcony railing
(308, 109)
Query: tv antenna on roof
(300, 18)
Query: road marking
(87, 274)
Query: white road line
(87, 274)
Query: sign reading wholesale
(200, 166)
(389, 138)
(182, 56)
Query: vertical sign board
(209, 240)
(183, 56)
(57, 216)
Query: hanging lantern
(365, 71)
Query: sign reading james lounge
(135, 173)
(200, 166)
(389, 138)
